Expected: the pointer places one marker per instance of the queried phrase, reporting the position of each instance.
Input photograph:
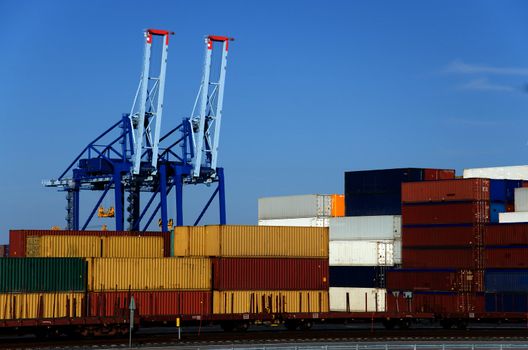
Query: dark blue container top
(511, 280)
(380, 181)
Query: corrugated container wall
(151, 303)
(452, 213)
(65, 246)
(251, 241)
(361, 253)
(301, 222)
(22, 240)
(42, 274)
(438, 236)
(357, 299)
(506, 234)
(17, 306)
(506, 280)
(302, 206)
(439, 303)
(506, 257)
(446, 191)
(133, 247)
(501, 173)
(237, 302)
(441, 258)
(435, 280)
(506, 302)
(357, 276)
(270, 274)
(521, 199)
(121, 274)
(385, 227)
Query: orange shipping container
(338, 205)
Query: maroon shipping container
(507, 257)
(435, 280)
(442, 236)
(445, 213)
(446, 191)
(441, 258)
(440, 303)
(270, 273)
(506, 234)
(438, 174)
(18, 238)
(151, 303)
(4, 249)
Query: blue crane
(132, 156)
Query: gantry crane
(131, 157)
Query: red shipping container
(506, 234)
(445, 213)
(438, 174)
(440, 303)
(446, 191)
(506, 257)
(151, 303)
(270, 274)
(441, 258)
(437, 236)
(435, 280)
(18, 238)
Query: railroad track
(271, 336)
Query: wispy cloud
(483, 84)
(460, 67)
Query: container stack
(311, 210)
(261, 269)
(520, 213)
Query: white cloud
(483, 84)
(466, 68)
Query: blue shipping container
(503, 190)
(496, 280)
(495, 209)
(372, 204)
(357, 276)
(506, 302)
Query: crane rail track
(273, 336)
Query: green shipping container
(42, 274)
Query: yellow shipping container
(40, 305)
(196, 241)
(251, 241)
(132, 247)
(69, 246)
(106, 274)
(33, 246)
(269, 301)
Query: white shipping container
(361, 253)
(521, 216)
(518, 172)
(303, 206)
(346, 299)
(349, 228)
(303, 222)
(521, 199)
(397, 252)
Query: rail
(439, 346)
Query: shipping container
(357, 276)
(446, 214)
(4, 250)
(438, 174)
(397, 252)
(495, 210)
(133, 247)
(380, 181)
(439, 303)
(150, 303)
(519, 172)
(435, 280)
(301, 222)
(357, 299)
(446, 191)
(269, 301)
(65, 246)
(521, 199)
(18, 306)
(373, 204)
(506, 280)
(506, 234)
(441, 258)
(506, 302)
(442, 236)
(42, 274)
(251, 241)
(521, 216)
(121, 274)
(361, 253)
(302, 206)
(387, 227)
(506, 257)
(504, 190)
(28, 240)
(270, 274)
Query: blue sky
(314, 88)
